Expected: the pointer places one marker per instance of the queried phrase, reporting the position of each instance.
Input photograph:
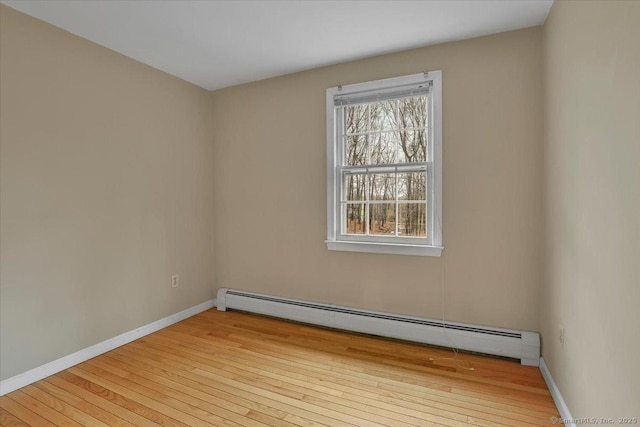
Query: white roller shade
(393, 92)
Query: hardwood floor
(235, 369)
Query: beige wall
(106, 190)
(270, 173)
(592, 205)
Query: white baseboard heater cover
(521, 345)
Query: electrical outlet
(561, 336)
(174, 281)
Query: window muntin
(384, 161)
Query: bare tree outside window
(386, 200)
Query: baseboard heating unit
(521, 345)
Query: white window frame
(431, 246)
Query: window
(384, 166)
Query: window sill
(384, 248)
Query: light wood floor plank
(42, 409)
(155, 370)
(155, 362)
(528, 375)
(58, 405)
(370, 346)
(326, 394)
(196, 344)
(84, 406)
(240, 370)
(225, 383)
(173, 412)
(327, 341)
(22, 413)
(9, 420)
(526, 399)
(178, 392)
(106, 400)
(244, 364)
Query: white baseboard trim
(563, 409)
(48, 369)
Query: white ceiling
(216, 44)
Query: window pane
(413, 146)
(382, 187)
(412, 112)
(383, 115)
(355, 150)
(412, 186)
(355, 218)
(356, 118)
(413, 219)
(382, 219)
(354, 187)
(383, 147)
